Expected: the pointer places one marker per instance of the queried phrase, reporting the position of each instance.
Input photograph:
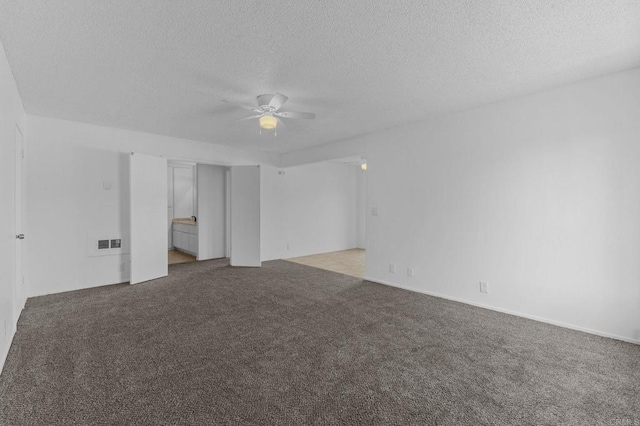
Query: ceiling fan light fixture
(268, 122)
(269, 114)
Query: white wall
(11, 114)
(539, 196)
(272, 231)
(309, 209)
(321, 208)
(68, 165)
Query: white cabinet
(178, 239)
(193, 243)
(185, 238)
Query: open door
(212, 211)
(19, 293)
(245, 216)
(148, 220)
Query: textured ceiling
(164, 66)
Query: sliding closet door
(148, 207)
(245, 216)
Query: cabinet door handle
(20, 236)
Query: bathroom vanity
(185, 235)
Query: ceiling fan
(268, 111)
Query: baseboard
(507, 311)
(14, 329)
(67, 290)
(5, 353)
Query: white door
(19, 292)
(148, 220)
(211, 212)
(245, 216)
(170, 206)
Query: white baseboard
(507, 311)
(5, 352)
(69, 289)
(12, 333)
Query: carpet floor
(290, 344)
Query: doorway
(148, 200)
(181, 212)
(326, 215)
(197, 212)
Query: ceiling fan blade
(295, 114)
(277, 101)
(247, 118)
(281, 124)
(250, 108)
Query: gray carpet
(290, 344)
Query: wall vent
(108, 244)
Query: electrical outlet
(392, 268)
(122, 267)
(410, 272)
(287, 247)
(374, 211)
(484, 287)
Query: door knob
(20, 236)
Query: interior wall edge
(12, 119)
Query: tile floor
(176, 256)
(348, 262)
